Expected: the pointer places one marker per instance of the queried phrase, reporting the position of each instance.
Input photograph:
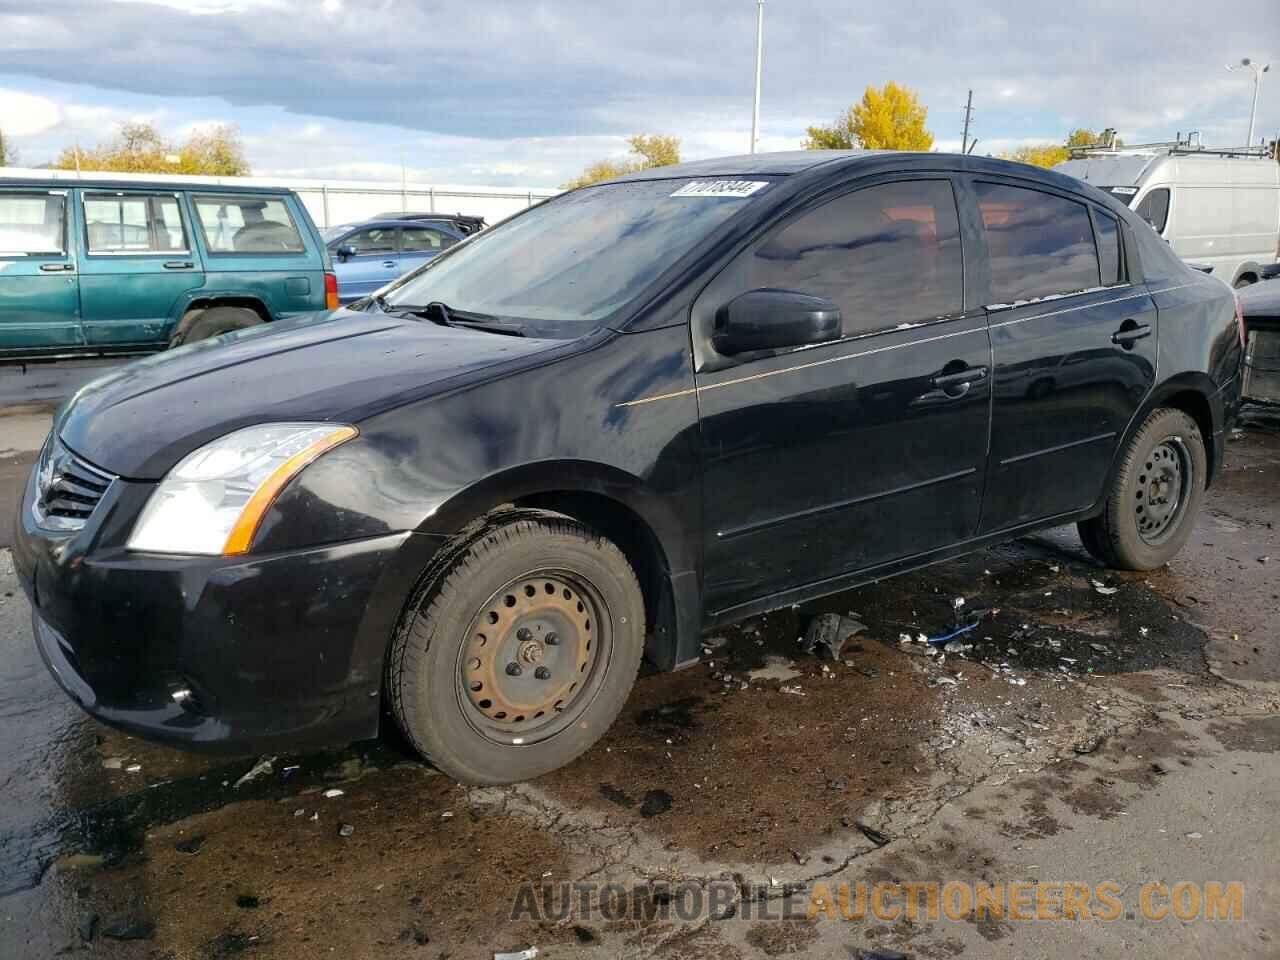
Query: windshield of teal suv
(566, 266)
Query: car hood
(139, 420)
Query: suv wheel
(1155, 496)
(519, 657)
(203, 324)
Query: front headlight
(213, 500)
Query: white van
(1214, 207)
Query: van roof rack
(1107, 145)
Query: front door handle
(961, 378)
(56, 267)
(389, 264)
(1130, 332)
(178, 264)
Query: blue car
(369, 255)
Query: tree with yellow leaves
(887, 118)
(647, 151)
(141, 148)
(1051, 154)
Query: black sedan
(629, 414)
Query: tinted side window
(129, 223)
(247, 225)
(1154, 208)
(885, 255)
(424, 239)
(373, 240)
(31, 224)
(1038, 245)
(1108, 232)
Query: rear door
(418, 244)
(1073, 343)
(39, 293)
(139, 266)
(836, 458)
(376, 262)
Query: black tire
(1247, 280)
(441, 657)
(203, 324)
(1155, 495)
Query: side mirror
(772, 319)
(346, 251)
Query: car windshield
(566, 266)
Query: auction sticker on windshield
(721, 188)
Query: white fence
(332, 202)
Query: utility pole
(755, 100)
(1258, 70)
(968, 112)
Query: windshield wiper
(442, 314)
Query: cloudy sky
(498, 92)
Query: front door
(826, 460)
(375, 263)
(39, 293)
(139, 265)
(1074, 350)
(418, 244)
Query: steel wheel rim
(533, 657)
(1162, 490)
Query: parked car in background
(461, 222)
(1220, 208)
(637, 411)
(1260, 315)
(101, 266)
(371, 254)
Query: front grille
(67, 488)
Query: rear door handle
(178, 264)
(56, 267)
(1131, 332)
(389, 264)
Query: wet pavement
(1094, 726)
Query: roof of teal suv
(168, 186)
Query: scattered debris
(775, 668)
(113, 763)
(130, 928)
(346, 830)
(827, 634)
(517, 954)
(871, 833)
(1194, 836)
(332, 792)
(258, 769)
(794, 690)
(1087, 746)
(1103, 589)
(133, 768)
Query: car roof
(389, 224)
(764, 164)
(160, 186)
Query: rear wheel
(1155, 496)
(1246, 281)
(203, 324)
(519, 657)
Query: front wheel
(1154, 497)
(521, 654)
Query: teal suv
(89, 267)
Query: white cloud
(25, 114)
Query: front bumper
(248, 654)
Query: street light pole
(1258, 71)
(755, 100)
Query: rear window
(1038, 244)
(31, 224)
(133, 223)
(1108, 231)
(247, 225)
